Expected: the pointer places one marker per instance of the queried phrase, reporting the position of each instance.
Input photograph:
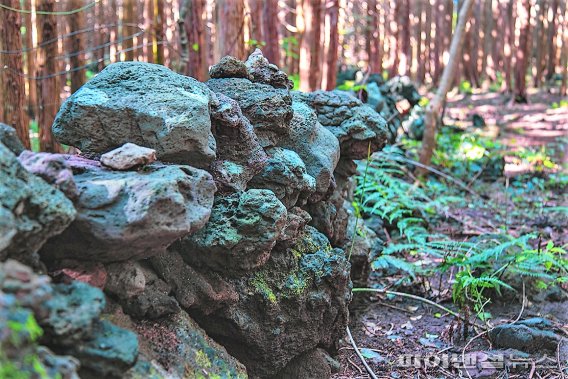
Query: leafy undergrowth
(470, 235)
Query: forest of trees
(49, 48)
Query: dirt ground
(386, 328)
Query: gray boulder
(355, 125)
(52, 168)
(316, 146)
(262, 71)
(130, 215)
(229, 67)
(9, 138)
(293, 304)
(268, 109)
(72, 311)
(285, 174)
(142, 103)
(31, 211)
(109, 353)
(239, 154)
(240, 234)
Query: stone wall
(225, 231)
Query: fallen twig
(369, 370)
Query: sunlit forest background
(50, 48)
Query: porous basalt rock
(296, 302)
(229, 67)
(129, 215)
(285, 174)
(52, 168)
(141, 103)
(358, 128)
(268, 109)
(31, 211)
(262, 71)
(239, 154)
(240, 234)
(315, 145)
(9, 138)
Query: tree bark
(522, 51)
(30, 59)
(332, 47)
(270, 24)
(194, 27)
(14, 87)
(551, 53)
(48, 83)
(128, 29)
(433, 109)
(159, 31)
(564, 54)
(149, 40)
(76, 44)
(230, 20)
(310, 72)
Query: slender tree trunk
(128, 29)
(523, 50)
(551, 54)
(332, 46)
(76, 44)
(438, 47)
(509, 43)
(30, 58)
(230, 20)
(417, 26)
(194, 27)
(433, 109)
(102, 35)
(149, 40)
(310, 72)
(14, 86)
(564, 54)
(488, 38)
(48, 86)
(395, 33)
(159, 31)
(539, 42)
(270, 24)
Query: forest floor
(386, 327)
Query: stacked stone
(240, 224)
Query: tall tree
(14, 87)
(551, 53)
(310, 71)
(564, 53)
(149, 40)
(159, 31)
(76, 44)
(48, 86)
(373, 37)
(129, 22)
(331, 49)
(194, 27)
(270, 31)
(435, 106)
(29, 20)
(522, 50)
(229, 28)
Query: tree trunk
(539, 42)
(194, 27)
(332, 46)
(270, 24)
(395, 33)
(230, 20)
(14, 87)
(433, 109)
(523, 50)
(310, 72)
(488, 38)
(159, 31)
(551, 53)
(30, 59)
(128, 29)
(76, 45)
(48, 86)
(564, 54)
(509, 43)
(149, 40)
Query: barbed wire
(76, 32)
(53, 13)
